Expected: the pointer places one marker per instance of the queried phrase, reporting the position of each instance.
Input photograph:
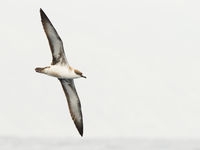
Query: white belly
(60, 72)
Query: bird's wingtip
(79, 128)
(43, 16)
(81, 133)
(41, 10)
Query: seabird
(61, 69)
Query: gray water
(9, 143)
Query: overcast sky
(141, 59)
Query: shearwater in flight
(61, 69)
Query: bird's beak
(83, 76)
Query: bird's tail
(39, 70)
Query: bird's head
(79, 73)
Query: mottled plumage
(60, 69)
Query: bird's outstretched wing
(54, 39)
(73, 103)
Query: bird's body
(61, 69)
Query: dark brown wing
(55, 41)
(73, 103)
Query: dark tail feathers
(39, 69)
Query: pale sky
(141, 59)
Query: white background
(141, 59)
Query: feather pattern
(60, 69)
(73, 103)
(55, 42)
